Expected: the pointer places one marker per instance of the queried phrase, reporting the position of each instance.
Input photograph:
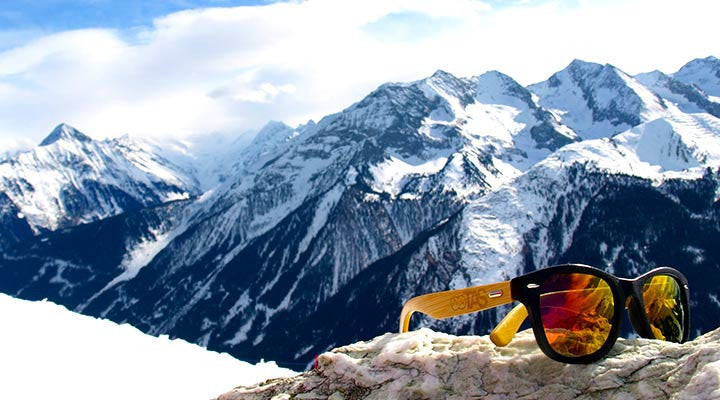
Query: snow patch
(390, 175)
(137, 258)
(697, 254)
(320, 218)
(79, 357)
(714, 299)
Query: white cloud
(230, 69)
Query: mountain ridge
(64, 131)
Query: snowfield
(49, 352)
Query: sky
(178, 68)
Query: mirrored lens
(577, 312)
(663, 305)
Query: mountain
(703, 74)
(687, 97)
(310, 210)
(598, 202)
(598, 100)
(315, 236)
(71, 179)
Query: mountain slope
(594, 202)
(598, 100)
(71, 179)
(703, 73)
(687, 97)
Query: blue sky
(185, 67)
(58, 15)
(23, 20)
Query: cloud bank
(229, 70)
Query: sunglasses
(575, 310)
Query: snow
(696, 254)
(494, 122)
(390, 175)
(714, 299)
(676, 143)
(39, 181)
(660, 83)
(704, 73)
(495, 225)
(652, 105)
(567, 102)
(139, 256)
(610, 88)
(50, 352)
(320, 218)
(657, 144)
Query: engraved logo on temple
(471, 300)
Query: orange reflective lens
(576, 312)
(663, 306)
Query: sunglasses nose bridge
(627, 290)
(628, 293)
(635, 307)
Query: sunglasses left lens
(577, 311)
(664, 307)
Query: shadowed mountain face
(315, 236)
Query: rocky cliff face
(425, 364)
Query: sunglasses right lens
(577, 312)
(663, 305)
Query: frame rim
(621, 288)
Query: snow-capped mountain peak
(686, 96)
(703, 73)
(64, 132)
(273, 134)
(71, 179)
(494, 86)
(598, 100)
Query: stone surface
(426, 364)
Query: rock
(426, 364)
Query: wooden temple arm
(452, 303)
(508, 327)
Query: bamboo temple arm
(452, 303)
(508, 327)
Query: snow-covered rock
(431, 365)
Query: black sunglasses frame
(527, 289)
